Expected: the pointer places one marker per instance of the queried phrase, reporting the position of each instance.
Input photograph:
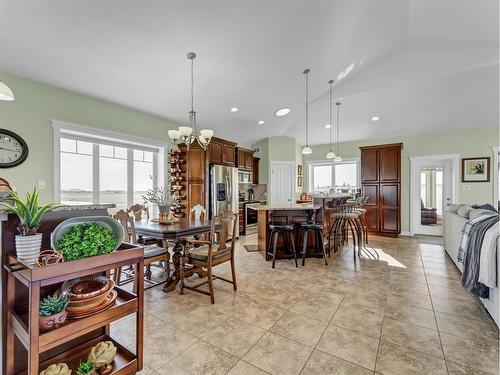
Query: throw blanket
(469, 253)
(488, 261)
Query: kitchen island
(278, 214)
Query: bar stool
(317, 231)
(287, 230)
(345, 221)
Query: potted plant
(53, 312)
(86, 368)
(164, 199)
(28, 242)
(57, 369)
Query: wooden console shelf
(71, 342)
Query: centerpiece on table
(164, 199)
(28, 242)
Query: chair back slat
(198, 212)
(128, 225)
(137, 210)
(226, 219)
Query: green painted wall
(467, 143)
(37, 103)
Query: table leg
(174, 279)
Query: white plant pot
(28, 248)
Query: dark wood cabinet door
(241, 159)
(249, 160)
(389, 208)
(369, 165)
(371, 191)
(229, 155)
(255, 170)
(196, 193)
(372, 218)
(216, 152)
(196, 164)
(390, 159)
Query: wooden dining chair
(209, 254)
(198, 212)
(152, 254)
(138, 210)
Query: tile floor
(405, 313)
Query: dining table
(174, 233)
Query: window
(95, 169)
(340, 177)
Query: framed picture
(299, 170)
(299, 181)
(476, 169)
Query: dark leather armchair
(428, 216)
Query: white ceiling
(421, 65)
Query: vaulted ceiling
(419, 65)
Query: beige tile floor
(404, 313)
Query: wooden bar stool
(317, 231)
(344, 221)
(287, 230)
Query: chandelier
(189, 134)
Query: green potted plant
(52, 312)
(164, 199)
(28, 242)
(86, 368)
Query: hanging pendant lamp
(5, 92)
(189, 134)
(338, 157)
(331, 154)
(307, 150)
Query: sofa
(453, 223)
(428, 216)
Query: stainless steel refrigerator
(223, 191)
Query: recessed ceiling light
(234, 109)
(282, 112)
(261, 122)
(327, 126)
(375, 118)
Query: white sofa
(452, 234)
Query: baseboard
(407, 234)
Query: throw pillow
(485, 206)
(476, 212)
(464, 210)
(453, 208)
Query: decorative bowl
(85, 287)
(106, 304)
(85, 304)
(106, 221)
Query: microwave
(245, 177)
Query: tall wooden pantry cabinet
(381, 182)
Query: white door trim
(293, 164)
(496, 197)
(455, 170)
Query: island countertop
(293, 207)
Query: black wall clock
(13, 149)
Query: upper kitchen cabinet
(222, 152)
(255, 170)
(245, 159)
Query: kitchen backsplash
(259, 191)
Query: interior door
(282, 182)
(432, 189)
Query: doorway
(282, 182)
(433, 187)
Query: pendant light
(307, 150)
(189, 134)
(338, 157)
(5, 92)
(331, 154)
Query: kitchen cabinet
(222, 152)
(381, 182)
(255, 170)
(245, 159)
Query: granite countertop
(293, 207)
(72, 206)
(334, 195)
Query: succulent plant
(28, 211)
(85, 368)
(102, 354)
(57, 369)
(52, 305)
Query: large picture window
(96, 170)
(340, 177)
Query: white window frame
(97, 136)
(313, 163)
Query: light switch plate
(41, 184)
